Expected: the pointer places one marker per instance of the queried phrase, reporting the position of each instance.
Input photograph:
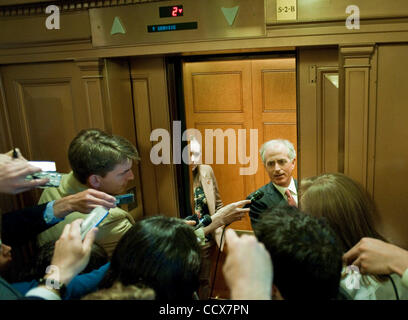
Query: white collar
(291, 187)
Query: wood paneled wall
(358, 129)
(44, 106)
(390, 136)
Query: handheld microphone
(205, 221)
(258, 194)
(125, 198)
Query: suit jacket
(111, 229)
(272, 198)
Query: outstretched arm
(248, 268)
(83, 202)
(19, 226)
(374, 256)
(224, 216)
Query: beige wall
(360, 128)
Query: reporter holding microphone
(207, 201)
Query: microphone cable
(218, 258)
(254, 197)
(394, 286)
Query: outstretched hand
(83, 202)
(13, 173)
(71, 254)
(248, 268)
(232, 212)
(373, 256)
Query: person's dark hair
(96, 152)
(306, 255)
(161, 253)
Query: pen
(15, 154)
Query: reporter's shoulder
(54, 193)
(49, 194)
(119, 214)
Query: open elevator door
(239, 93)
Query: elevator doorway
(256, 94)
(238, 93)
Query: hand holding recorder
(13, 173)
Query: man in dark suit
(278, 157)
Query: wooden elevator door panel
(218, 95)
(274, 96)
(46, 107)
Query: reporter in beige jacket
(103, 162)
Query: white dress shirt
(292, 189)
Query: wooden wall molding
(314, 109)
(6, 140)
(151, 111)
(354, 108)
(89, 65)
(92, 81)
(326, 121)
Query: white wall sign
(286, 10)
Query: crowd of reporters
(296, 253)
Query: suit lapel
(274, 193)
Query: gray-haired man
(279, 158)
